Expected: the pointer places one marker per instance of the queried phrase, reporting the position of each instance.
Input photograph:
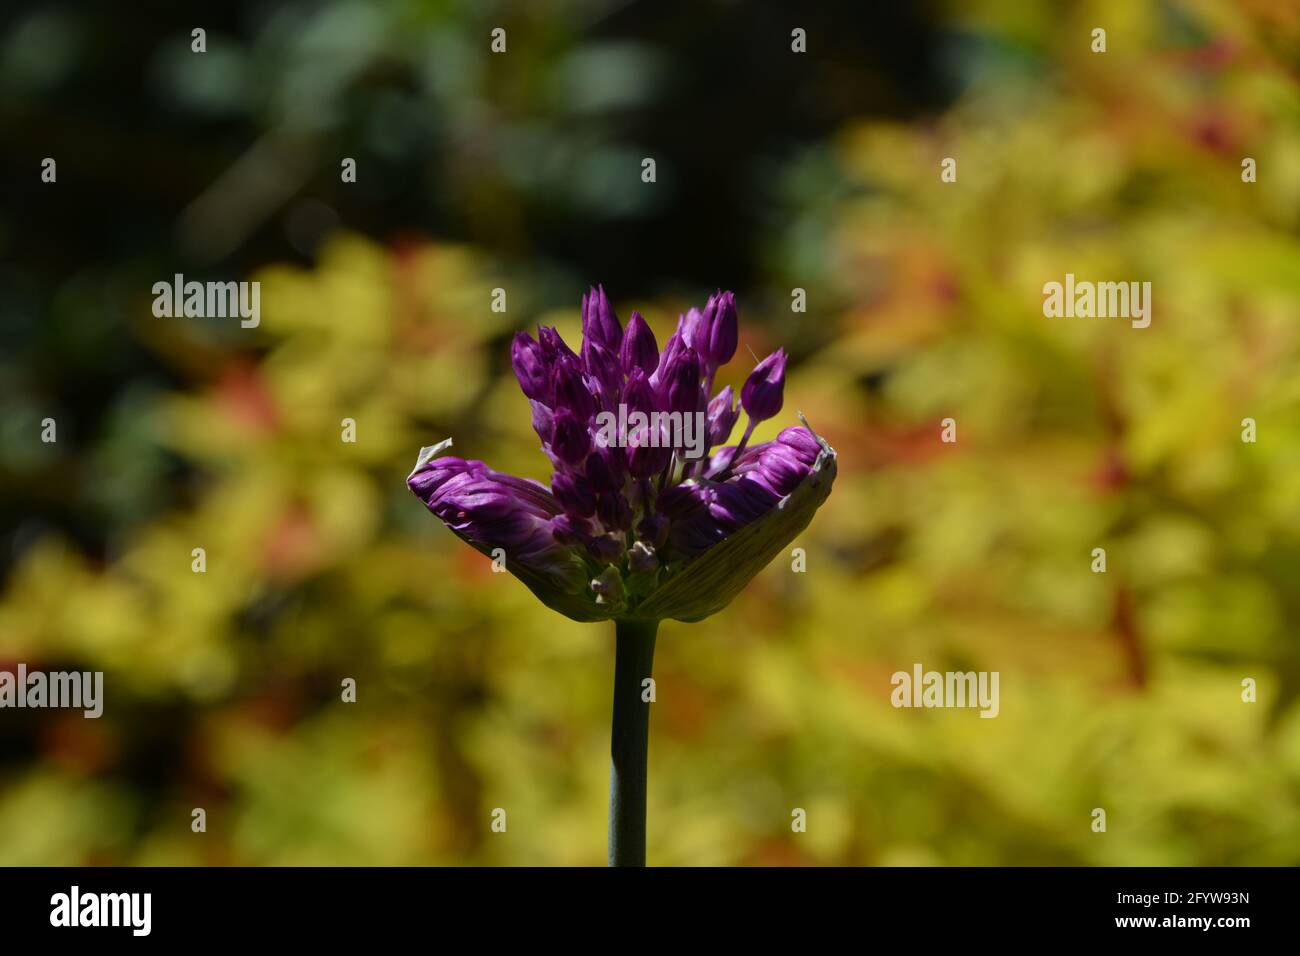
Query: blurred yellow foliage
(1119, 690)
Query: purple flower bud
(779, 465)
(723, 413)
(531, 368)
(614, 511)
(683, 388)
(692, 329)
(692, 539)
(543, 420)
(654, 528)
(494, 511)
(480, 501)
(530, 495)
(803, 441)
(723, 329)
(552, 345)
(638, 395)
(568, 530)
(429, 480)
(606, 469)
(608, 588)
(737, 503)
(604, 373)
(764, 390)
(668, 360)
(574, 494)
(599, 323)
(642, 558)
(692, 528)
(606, 548)
(572, 441)
(643, 493)
(571, 390)
(648, 453)
(515, 532)
(639, 350)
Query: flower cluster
(623, 517)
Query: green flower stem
(629, 738)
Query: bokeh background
(776, 171)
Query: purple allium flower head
(640, 521)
